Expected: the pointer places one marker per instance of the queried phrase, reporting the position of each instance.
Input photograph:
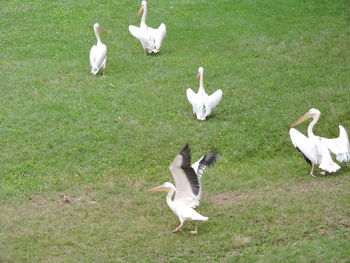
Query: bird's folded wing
(92, 55)
(97, 56)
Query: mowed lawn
(78, 152)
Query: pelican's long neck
(97, 36)
(201, 82)
(144, 14)
(169, 201)
(310, 132)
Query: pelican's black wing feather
(190, 173)
(306, 159)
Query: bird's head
(99, 28)
(142, 7)
(200, 72)
(312, 113)
(166, 187)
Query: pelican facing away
(202, 103)
(151, 39)
(315, 149)
(98, 52)
(188, 186)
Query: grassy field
(78, 152)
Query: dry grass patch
(229, 198)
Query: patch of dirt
(64, 199)
(313, 185)
(39, 202)
(305, 187)
(235, 251)
(229, 198)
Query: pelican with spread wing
(202, 103)
(315, 149)
(188, 186)
(151, 39)
(98, 52)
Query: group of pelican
(316, 150)
(187, 177)
(151, 40)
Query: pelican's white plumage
(98, 52)
(315, 149)
(202, 103)
(339, 146)
(188, 185)
(151, 39)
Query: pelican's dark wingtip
(186, 148)
(210, 158)
(186, 156)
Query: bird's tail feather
(94, 70)
(330, 166)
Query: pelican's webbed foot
(178, 229)
(195, 231)
(312, 170)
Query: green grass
(103, 141)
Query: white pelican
(151, 39)
(202, 103)
(315, 149)
(98, 52)
(188, 185)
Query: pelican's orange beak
(140, 11)
(159, 189)
(102, 30)
(303, 118)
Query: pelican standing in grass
(98, 52)
(151, 39)
(202, 103)
(315, 149)
(188, 186)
